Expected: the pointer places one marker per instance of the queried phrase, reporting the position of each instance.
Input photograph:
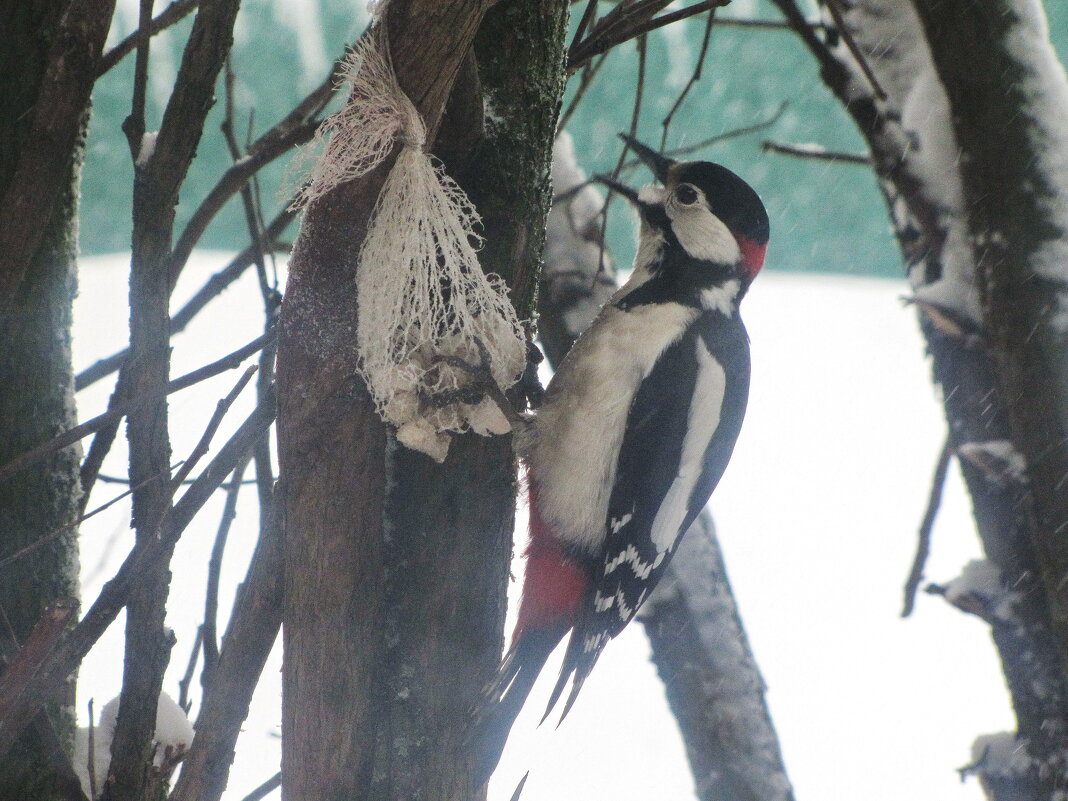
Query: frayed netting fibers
(422, 293)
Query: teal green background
(825, 217)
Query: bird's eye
(686, 195)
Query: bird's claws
(484, 384)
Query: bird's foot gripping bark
(483, 385)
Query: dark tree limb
(43, 166)
(158, 174)
(815, 154)
(923, 544)
(175, 12)
(630, 21)
(265, 789)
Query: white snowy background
(817, 517)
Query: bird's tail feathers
(579, 660)
(505, 695)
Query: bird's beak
(656, 162)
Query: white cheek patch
(703, 235)
(702, 422)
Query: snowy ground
(817, 517)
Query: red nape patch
(752, 255)
(553, 583)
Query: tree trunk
(1009, 97)
(360, 598)
(36, 385)
(450, 525)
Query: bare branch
(175, 12)
(694, 78)
(815, 153)
(923, 545)
(212, 288)
(134, 124)
(22, 694)
(114, 414)
(632, 21)
(190, 669)
(851, 44)
(221, 408)
(265, 789)
(91, 754)
(211, 596)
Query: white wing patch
(722, 297)
(702, 234)
(702, 422)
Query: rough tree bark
(390, 631)
(49, 63)
(450, 525)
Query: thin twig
(25, 551)
(923, 544)
(765, 24)
(134, 124)
(106, 479)
(265, 789)
(694, 78)
(592, 47)
(184, 701)
(519, 787)
(91, 755)
(639, 92)
(211, 595)
(221, 408)
(588, 15)
(734, 133)
(803, 152)
(173, 13)
(115, 413)
(850, 42)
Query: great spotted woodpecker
(635, 429)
